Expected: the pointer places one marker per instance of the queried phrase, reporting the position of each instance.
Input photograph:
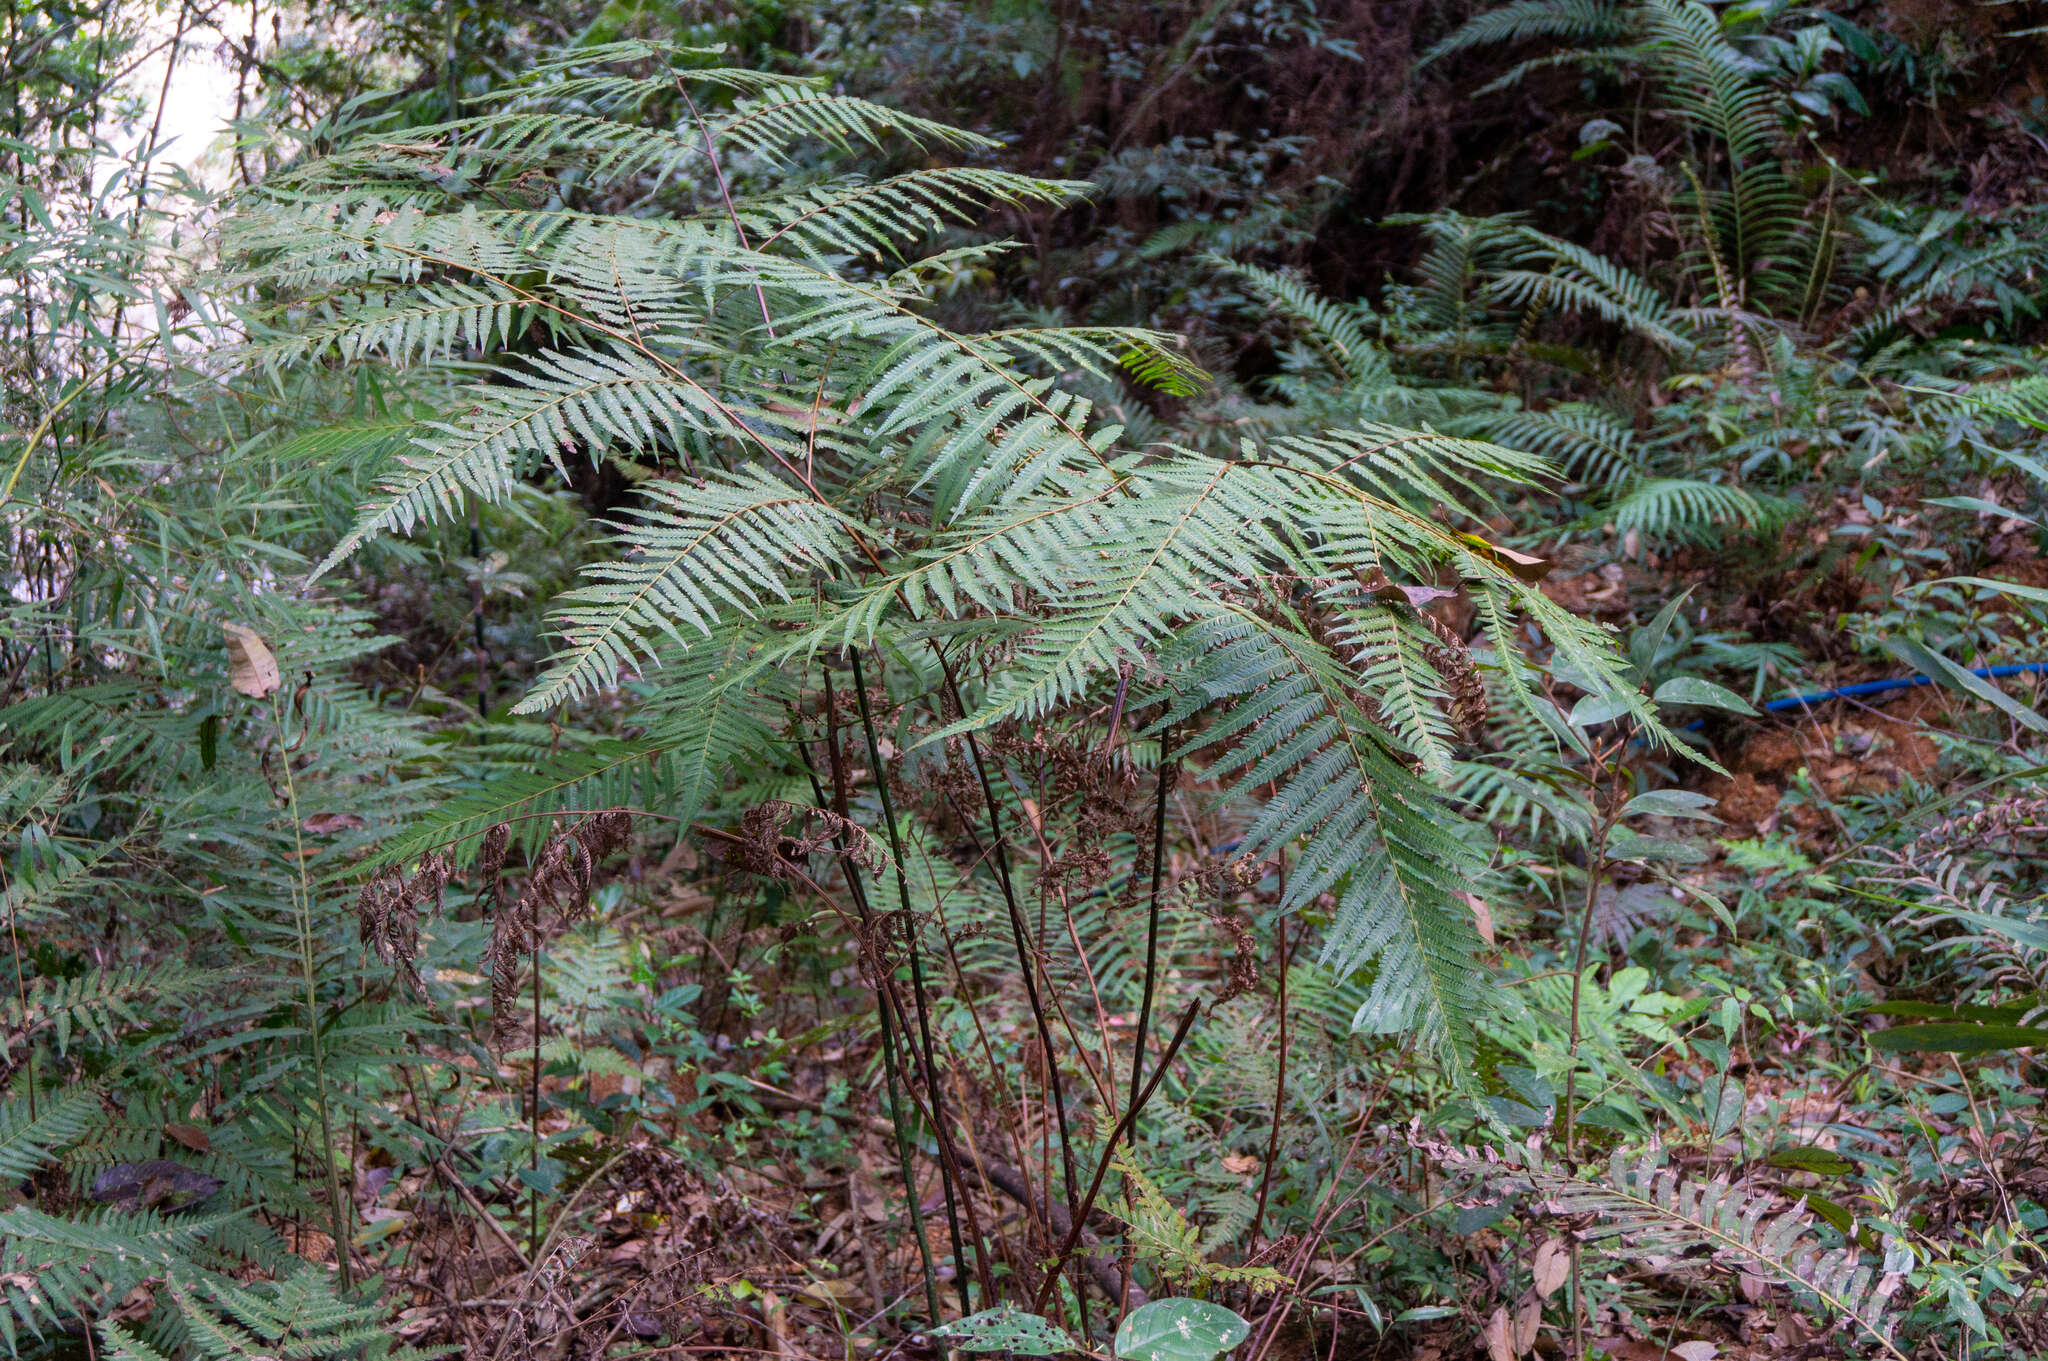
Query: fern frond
(1333, 329)
(56, 1270)
(31, 1139)
(691, 555)
(1644, 1209)
(1582, 280)
(561, 400)
(1687, 510)
(1380, 840)
(300, 1316)
(1590, 443)
(96, 1005)
(1581, 21)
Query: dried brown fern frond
(564, 871)
(388, 911)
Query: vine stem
(302, 909)
(1028, 963)
(1280, 1081)
(533, 1108)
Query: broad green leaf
(1835, 1214)
(1007, 1329)
(1627, 845)
(2011, 1014)
(1945, 1037)
(1939, 668)
(1696, 690)
(1822, 1162)
(1671, 803)
(1179, 1330)
(1645, 643)
(1594, 710)
(1979, 505)
(2032, 934)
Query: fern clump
(832, 470)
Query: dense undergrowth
(871, 679)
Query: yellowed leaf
(252, 670)
(1523, 566)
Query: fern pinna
(824, 467)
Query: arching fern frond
(1687, 510)
(1581, 21)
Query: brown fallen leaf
(1528, 1318)
(1523, 566)
(1377, 585)
(1552, 1265)
(321, 823)
(1498, 1337)
(252, 670)
(191, 1136)
(842, 1294)
(1482, 916)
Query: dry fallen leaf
(1482, 917)
(252, 670)
(1528, 1318)
(1553, 1263)
(1523, 566)
(845, 1293)
(1696, 1351)
(1500, 1344)
(1376, 584)
(321, 823)
(191, 1136)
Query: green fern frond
(1335, 330)
(1586, 441)
(96, 1005)
(693, 555)
(55, 1270)
(1643, 1209)
(1383, 842)
(1578, 20)
(1687, 510)
(300, 1316)
(32, 1133)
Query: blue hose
(1879, 687)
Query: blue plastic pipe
(1879, 687)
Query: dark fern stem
(1027, 959)
(1165, 787)
(917, 991)
(892, 1077)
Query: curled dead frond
(388, 911)
(564, 872)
